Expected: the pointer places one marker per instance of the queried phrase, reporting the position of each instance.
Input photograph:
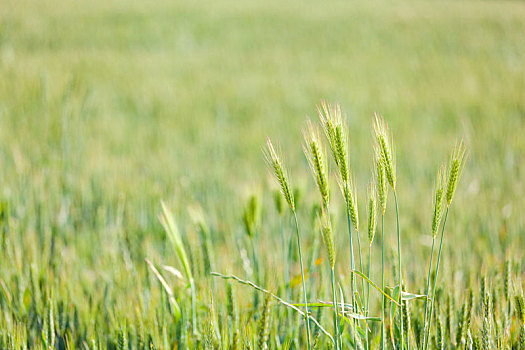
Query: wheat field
(202, 175)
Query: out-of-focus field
(106, 107)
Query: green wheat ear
(382, 192)
(385, 145)
(350, 196)
(328, 237)
(438, 199)
(335, 131)
(520, 308)
(328, 117)
(251, 215)
(274, 161)
(506, 278)
(278, 201)
(456, 165)
(372, 206)
(263, 329)
(522, 337)
(315, 154)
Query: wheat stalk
(382, 199)
(372, 208)
(436, 220)
(336, 132)
(275, 162)
(455, 168)
(384, 143)
(328, 238)
(282, 178)
(456, 165)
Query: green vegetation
(137, 210)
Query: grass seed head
(336, 133)
(122, 339)
(280, 173)
(316, 156)
(382, 192)
(405, 308)
(263, 330)
(455, 168)
(328, 238)
(506, 279)
(350, 194)
(341, 145)
(385, 144)
(438, 199)
(440, 343)
(372, 206)
(327, 115)
(353, 205)
(470, 305)
(231, 305)
(522, 337)
(251, 216)
(520, 308)
(278, 201)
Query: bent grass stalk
(168, 222)
(280, 300)
(167, 289)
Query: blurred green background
(175, 99)
(108, 106)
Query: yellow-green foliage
(108, 107)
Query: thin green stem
(368, 287)
(193, 310)
(382, 281)
(256, 269)
(360, 261)
(306, 312)
(289, 274)
(285, 260)
(352, 263)
(428, 288)
(336, 317)
(286, 269)
(399, 271)
(435, 279)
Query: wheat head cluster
(405, 319)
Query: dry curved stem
(281, 301)
(166, 287)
